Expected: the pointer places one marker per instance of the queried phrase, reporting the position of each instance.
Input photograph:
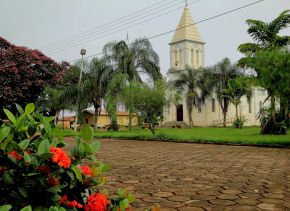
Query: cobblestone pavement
(180, 176)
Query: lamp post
(83, 52)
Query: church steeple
(186, 47)
(186, 29)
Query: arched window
(180, 57)
(197, 58)
(213, 105)
(175, 58)
(192, 57)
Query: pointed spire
(186, 29)
(186, 4)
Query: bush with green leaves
(270, 125)
(239, 123)
(37, 173)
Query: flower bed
(36, 173)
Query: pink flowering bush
(37, 173)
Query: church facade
(187, 49)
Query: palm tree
(187, 82)
(133, 59)
(224, 71)
(52, 101)
(266, 37)
(95, 84)
(73, 92)
(266, 34)
(237, 88)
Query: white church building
(187, 49)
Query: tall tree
(267, 38)
(223, 72)
(186, 83)
(274, 75)
(133, 59)
(237, 88)
(149, 101)
(24, 73)
(96, 83)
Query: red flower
(68, 203)
(86, 170)
(53, 181)
(97, 202)
(15, 155)
(60, 157)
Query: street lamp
(83, 52)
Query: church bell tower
(186, 47)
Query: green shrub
(270, 125)
(36, 173)
(239, 123)
(113, 126)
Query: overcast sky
(38, 24)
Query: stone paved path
(178, 176)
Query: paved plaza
(180, 176)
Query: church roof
(186, 33)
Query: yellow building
(103, 118)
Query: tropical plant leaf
(6, 207)
(19, 108)
(4, 132)
(27, 208)
(27, 158)
(24, 144)
(10, 116)
(78, 173)
(43, 147)
(29, 108)
(88, 133)
(95, 146)
(124, 204)
(22, 191)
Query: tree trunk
(130, 119)
(76, 119)
(237, 115)
(96, 116)
(225, 109)
(273, 111)
(190, 116)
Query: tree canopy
(24, 73)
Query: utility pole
(83, 52)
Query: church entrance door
(179, 113)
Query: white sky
(38, 23)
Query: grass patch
(246, 136)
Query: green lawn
(248, 136)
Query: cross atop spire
(186, 4)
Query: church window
(192, 57)
(175, 58)
(180, 57)
(250, 106)
(199, 105)
(213, 105)
(87, 121)
(197, 58)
